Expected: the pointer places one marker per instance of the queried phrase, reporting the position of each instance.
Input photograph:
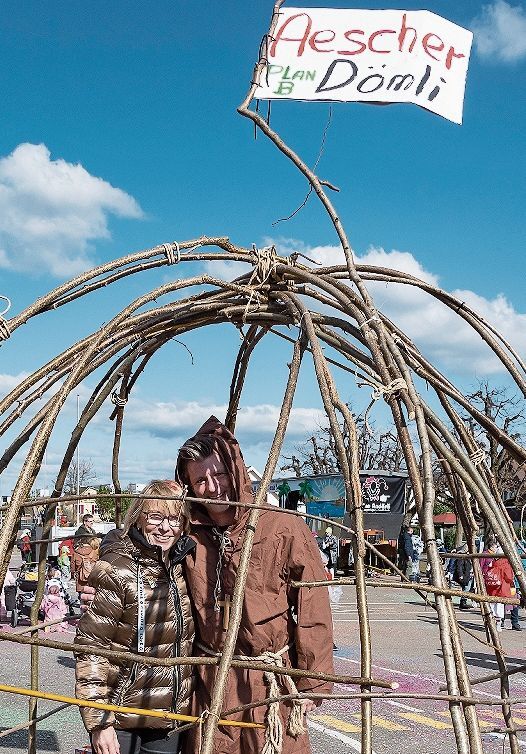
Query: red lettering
(361, 45)
(426, 44)
(403, 32)
(452, 54)
(314, 40)
(302, 40)
(377, 34)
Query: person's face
(209, 479)
(161, 524)
(89, 522)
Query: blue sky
(119, 132)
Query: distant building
(40, 492)
(135, 488)
(255, 478)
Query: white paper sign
(376, 56)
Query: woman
(141, 605)
(498, 578)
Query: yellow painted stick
(115, 708)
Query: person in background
(418, 549)
(9, 582)
(498, 578)
(54, 606)
(24, 545)
(406, 551)
(64, 563)
(329, 548)
(463, 575)
(85, 555)
(86, 528)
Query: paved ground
(406, 649)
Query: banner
(375, 56)
(325, 495)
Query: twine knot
(274, 726)
(375, 317)
(387, 391)
(264, 265)
(381, 391)
(5, 331)
(168, 248)
(477, 457)
(118, 401)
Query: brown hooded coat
(274, 614)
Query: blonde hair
(94, 543)
(160, 488)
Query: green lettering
(284, 87)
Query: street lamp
(77, 505)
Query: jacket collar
(178, 551)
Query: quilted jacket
(130, 573)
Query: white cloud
(500, 32)
(8, 382)
(225, 270)
(442, 336)
(184, 418)
(52, 210)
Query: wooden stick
(416, 586)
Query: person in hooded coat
(277, 618)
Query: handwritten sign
(375, 56)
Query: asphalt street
(406, 649)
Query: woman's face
(161, 523)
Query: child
(53, 606)
(63, 561)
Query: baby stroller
(22, 597)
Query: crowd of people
(499, 579)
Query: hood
(229, 451)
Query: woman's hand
(309, 705)
(87, 595)
(105, 741)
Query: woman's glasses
(156, 519)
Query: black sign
(383, 494)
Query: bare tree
(508, 411)
(86, 475)
(317, 455)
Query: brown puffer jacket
(112, 621)
(82, 561)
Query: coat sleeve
(314, 635)
(97, 628)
